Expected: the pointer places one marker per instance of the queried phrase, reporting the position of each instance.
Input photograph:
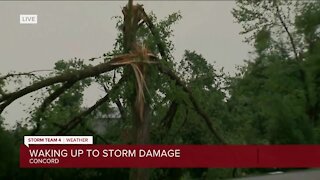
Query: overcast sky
(85, 29)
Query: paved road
(297, 175)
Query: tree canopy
(152, 98)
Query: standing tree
(141, 59)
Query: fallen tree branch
(77, 75)
(78, 119)
(31, 73)
(121, 109)
(194, 102)
(155, 34)
(48, 101)
(174, 77)
(167, 120)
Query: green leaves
(274, 98)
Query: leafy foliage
(273, 99)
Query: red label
(169, 156)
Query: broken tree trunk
(140, 107)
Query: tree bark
(140, 106)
